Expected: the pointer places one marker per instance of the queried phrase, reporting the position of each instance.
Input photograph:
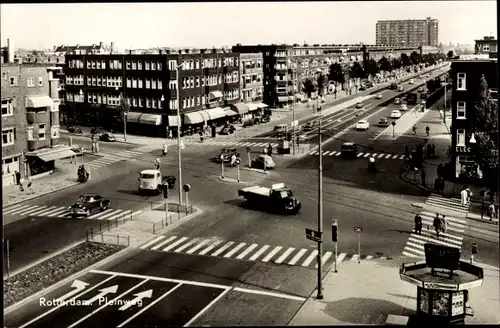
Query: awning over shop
(39, 101)
(229, 112)
(50, 154)
(205, 115)
(215, 113)
(133, 117)
(151, 119)
(252, 106)
(262, 105)
(193, 118)
(172, 121)
(215, 94)
(283, 99)
(241, 108)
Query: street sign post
(165, 196)
(393, 125)
(222, 166)
(248, 153)
(334, 239)
(358, 231)
(186, 189)
(313, 235)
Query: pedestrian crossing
(217, 247)
(21, 210)
(453, 203)
(360, 155)
(111, 157)
(452, 238)
(230, 143)
(147, 148)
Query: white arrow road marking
(138, 298)
(77, 286)
(102, 293)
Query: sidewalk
(63, 177)
(367, 293)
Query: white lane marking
(48, 210)
(297, 256)
(410, 255)
(37, 211)
(205, 309)
(259, 253)
(310, 258)
(381, 155)
(354, 257)
(341, 257)
(93, 216)
(20, 212)
(284, 255)
(272, 253)
(324, 258)
(223, 248)
(154, 241)
(163, 243)
(387, 156)
(15, 208)
(369, 257)
(209, 248)
(234, 250)
(200, 245)
(183, 247)
(261, 292)
(175, 244)
(247, 251)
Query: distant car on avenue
(395, 114)
(383, 122)
(87, 204)
(362, 125)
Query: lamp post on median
(124, 108)
(320, 204)
(180, 145)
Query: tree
(356, 71)
(321, 82)
(415, 58)
(485, 151)
(372, 67)
(396, 63)
(405, 60)
(450, 54)
(336, 73)
(308, 87)
(384, 64)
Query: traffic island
(231, 180)
(257, 170)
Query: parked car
(412, 81)
(227, 129)
(362, 88)
(395, 114)
(383, 122)
(251, 122)
(404, 107)
(88, 204)
(401, 88)
(362, 125)
(359, 105)
(423, 95)
(379, 96)
(108, 137)
(258, 162)
(226, 154)
(265, 119)
(349, 150)
(397, 101)
(393, 86)
(72, 129)
(420, 89)
(309, 126)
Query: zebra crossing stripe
(152, 242)
(247, 251)
(18, 209)
(341, 257)
(117, 215)
(41, 210)
(354, 258)
(48, 210)
(394, 156)
(200, 245)
(135, 213)
(183, 247)
(259, 253)
(209, 248)
(411, 255)
(402, 157)
(326, 153)
(310, 258)
(32, 209)
(313, 152)
(297, 256)
(175, 244)
(223, 248)
(360, 154)
(14, 208)
(234, 250)
(366, 155)
(381, 155)
(338, 153)
(163, 243)
(324, 258)
(284, 255)
(387, 156)
(273, 252)
(60, 211)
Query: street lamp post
(179, 141)
(320, 206)
(125, 113)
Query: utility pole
(293, 108)
(179, 137)
(320, 211)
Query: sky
(144, 25)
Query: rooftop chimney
(101, 44)
(112, 47)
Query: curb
(256, 170)
(175, 224)
(231, 180)
(418, 205)
(413, 183)
(5, 207)
(487, 221)
(88, 135)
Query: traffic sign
(313, 235)
(334, 231)
(186, 187)
(358, 229)
(393, 123)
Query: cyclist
(414, 129)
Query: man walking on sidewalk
(463, 196)
(437, 224)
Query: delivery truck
(278, 198)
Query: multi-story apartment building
(95, 49)
(466, 75)
(30, 121)
(488, 45)
(252, 80)
(409, 32)
(199, 83)
(285, 67)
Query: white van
(150, 181)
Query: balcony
(173, 75)
(30, 117)
(32, 144)
(253, 70)
(173, 94)
(253, 84)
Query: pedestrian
(492, 211)
(165, 148)
(422, 176)
(469, 194)
(444, 224)
(418, 224)
(157, 163)
(463, 196)
(441, 186)
(407, 151)
(270, 150)
(97, 146)
(437, 224)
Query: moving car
(401, 88)
(362, 88)
(258, 162)
(362, 125)
(397, 101)
(420, 89)
(412, 81)
(108, 137)
(349, 150)
(227, 129)
(359, 105)
(152, 181)
(395, 114)
(404, 107)
(379, 96)
(393, 86)
(278, 129)
(226, 154)
(88, 204)
(309, 126)
(384, 122)
(277, 198)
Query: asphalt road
(175, 290)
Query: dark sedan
(227, 129)
(88, 204)
(384, 122)
(108, 137)
(226, 154)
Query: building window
(148, 103)
(197, 80)
(30, 82)
(41, 132)
(153, 103)
(183, 103)
(7, 107)
(40, 81)
(153, 66)
(153, 84)
(461, 110)
(191, 82)
(29, 132)
(127, 65)
(147, 65)
(134, 83)
(460, 137)
(197, 64)
(139, 64)
(172, 85)
(160, 66)
(134, 65)
(198, 101)
(103, 64)
(461, 81)
(129, 83)
(160, 84)
(141, 84)
(98, 65)
(148, 84)
(93, 64)
(140, 102)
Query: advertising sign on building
(424, 301)
(457, 303)
(440, 304)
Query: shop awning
(151, 119)
(133, 117)
(229, 112)
(51, 154)
(193, 118)
(241, 108)
(172, 121)
(283, 99)
(39, 101)
(206, 116)
(215, 94)
(262, 105)
(215, 113)
(252, 106)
